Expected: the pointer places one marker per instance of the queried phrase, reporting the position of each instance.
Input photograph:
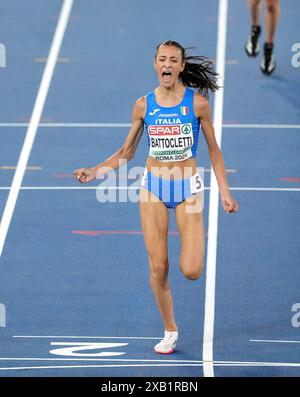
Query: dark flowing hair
(199, 71)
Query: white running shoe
(252, 45)
(268, 63)
(168, 344)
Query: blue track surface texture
(74, 270)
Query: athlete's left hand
(229, 204)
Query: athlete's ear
(182, 67)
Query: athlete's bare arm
(202, 111)
(125, 153)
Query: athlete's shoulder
(200, 99)
(200, 104)
(140, 106)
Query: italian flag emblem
(184, 110)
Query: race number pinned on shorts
(143, 181)
(197, 184)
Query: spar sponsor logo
(170, 129)
(164, 130)
(186, 129)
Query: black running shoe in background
(252, 45)
(268, 63)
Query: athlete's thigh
(154, 220)
(189, 219)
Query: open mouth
(166, 75)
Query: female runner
(172, 114)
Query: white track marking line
(267, 189)
(216, 363)
(86, 337)
(210, 284)
(128, 125)
(255, 364)
(34, 121)
(219, 363)
(100, 359)
(263, 126)
(274, 341)
(100, 366)
(71, 125)
(254, 189)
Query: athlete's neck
(170, 93)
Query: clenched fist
(84, 175)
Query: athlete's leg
(155, 219)
(255, 11)
(272, 17)
(252, 45)
(191, 228)
(268, 63)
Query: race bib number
(171, 142)
(197, 184)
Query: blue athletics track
(74, 278)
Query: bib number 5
(196, 183)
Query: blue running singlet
(172, 132)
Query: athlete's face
(168, 64)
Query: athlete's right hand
(84, 175)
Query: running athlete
(171, 114)
(268, 63)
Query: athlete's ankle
(268, 46)
(255, 30)
(171, 329)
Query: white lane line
(100, 366)
(267, 189)
(274, 341)
(59, 60)
(216, 363)
(71, 125)
(99, 359)
(210, 284)
(34, 122)
(85, 337)
(254, 189)
(254, 364)
(39, 168)
(12, 168)
(263, 126)
(74, 188)
(128, 125)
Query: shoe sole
(168, 352)
(250, 55)
(266, 72)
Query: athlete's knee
(158, 268)
(192, 270)
(192, 274)
(272, 6)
